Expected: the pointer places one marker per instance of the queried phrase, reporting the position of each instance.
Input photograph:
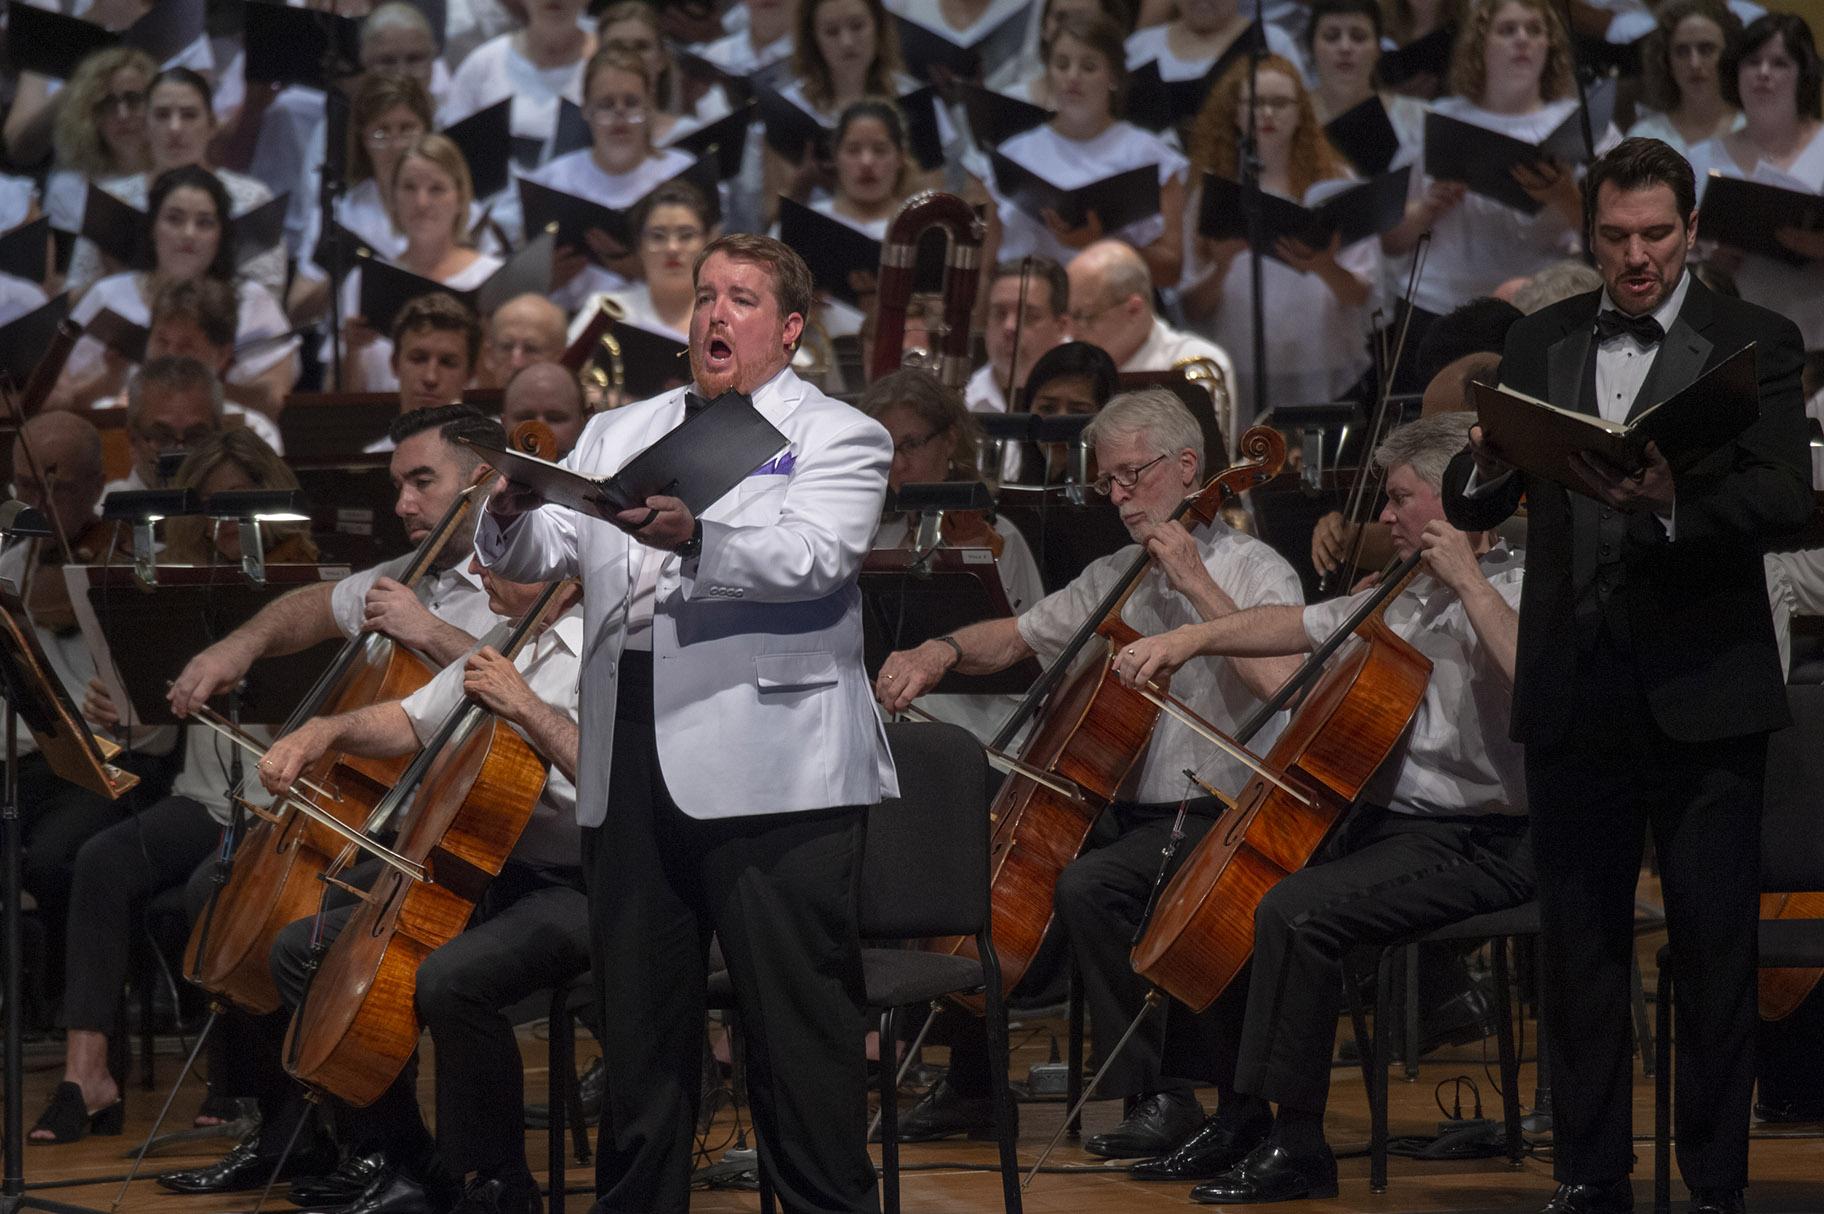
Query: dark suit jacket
(1695, 605)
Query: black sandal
(68, 1119)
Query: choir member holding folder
(1326, 287)
(1372, 129)
(1775, 78)
(618, 168)
(179, 125)
(1084, 144)
(1421, 32)
(430, 196)
(632, 28)
(1206, 37)
(1024, 77)
(1511, 75)
(100, 130)
(1681, 80)
(675, 221)
(534, 66)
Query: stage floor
(1788, 1165)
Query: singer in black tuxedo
(1648, 679)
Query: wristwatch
(692, 546)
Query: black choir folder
(1485, 160)
(119, 228)
(575, 215)
(698, 461)
(1356, 213)
(1540, 438)
(1120, 200)
(387, 288)
(1364, 134)
(1746, 214)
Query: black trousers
(530, 933)
(779, 893)
(1593, 797)
(1384, 877)
(117, 871)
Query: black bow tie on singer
(1643, 329)
(694, 404)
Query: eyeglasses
(1127, 478)
(631, 109)
(663, 238)
(130, 102)
(380, 137)
(1273, 105)
(911, 446)
(1082, 317)
(164, 438)
(405, 65)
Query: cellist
(1440, 834)
(1150, 450)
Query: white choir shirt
(1313, 360)
(635, 303)
(1796, 292)
(260, 316)
(577, 173)
(453, 595)
(1154, 44)
(735, 54)
(1480, 243)
(1651, 125)
(1457, 757)
(377, 359)
(67, 654)
(983, 393)
(551, 664)
(1634, 23)
(244, 194)
(18, 296)
(931, 16)
(1071, 163)
(1253, 575)
(495, 71)
(16, 194)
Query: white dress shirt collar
(1665, 313)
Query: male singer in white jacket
(730, 745)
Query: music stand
(33, 694)
(907, 599)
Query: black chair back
(925, 862)
(1792, 823)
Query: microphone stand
(1583, 93)
(1256, 215)
(332, 185)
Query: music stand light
(248, 508)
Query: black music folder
(698, 461)
(1485, 160)
(834, 250)
(332, 235)
(923, 138)
(574, 215)
(651, 363)
(1365, 209)
(25, 251)
(303, 46)
(24, 339)
(930, 55)
(791, 129)
(1159, 104)
(705, 75)
(907, 600)
(994, 118)
(53, 43)
(1540, 437)
(486, 140)
(387, 288)
(1746, 214)
(571, 131)
(119, 334)
(1429, 53)
(1120, 200)
(119, 228)
(1365, 136)
(725, 139)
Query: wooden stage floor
(1788, 1169)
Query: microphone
(20, 520)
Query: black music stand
(908, 598)
(191, 608)
(34, 695)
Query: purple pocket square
(780, 465)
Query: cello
(1093, 732)
(1352, 718)
(273, 879)
(460, 808)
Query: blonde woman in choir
(1087, 141)
(1326, 288)
(632, 28)
(430, 195)
(1774, 76)
(1681, 92)
(100, 130)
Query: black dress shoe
(392, 1192)
(241, 1170)
(341, 1187)
(1219, 1145)
(1270, 1174)
(1155, 1125)
(589, 1091)
(1716, 1201)
(1783, 1111)
(501, 1195)
(1614, 1197)
(941, 1113)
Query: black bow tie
(1643, 329)
(694, 404)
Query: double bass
(1092, 734)
(274, 876)
(460, 808)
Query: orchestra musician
(1440, 834)
(1028, 310)
(1648, 679)
(531, 933)
(732, 748)
(1150, 450)
(546, 392)
(436, 342)
(173, 404)
(526, 329)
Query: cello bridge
(354, 891)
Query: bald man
(549, 393)
(1111, 305)
(526, 329)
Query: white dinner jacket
(761, 703)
